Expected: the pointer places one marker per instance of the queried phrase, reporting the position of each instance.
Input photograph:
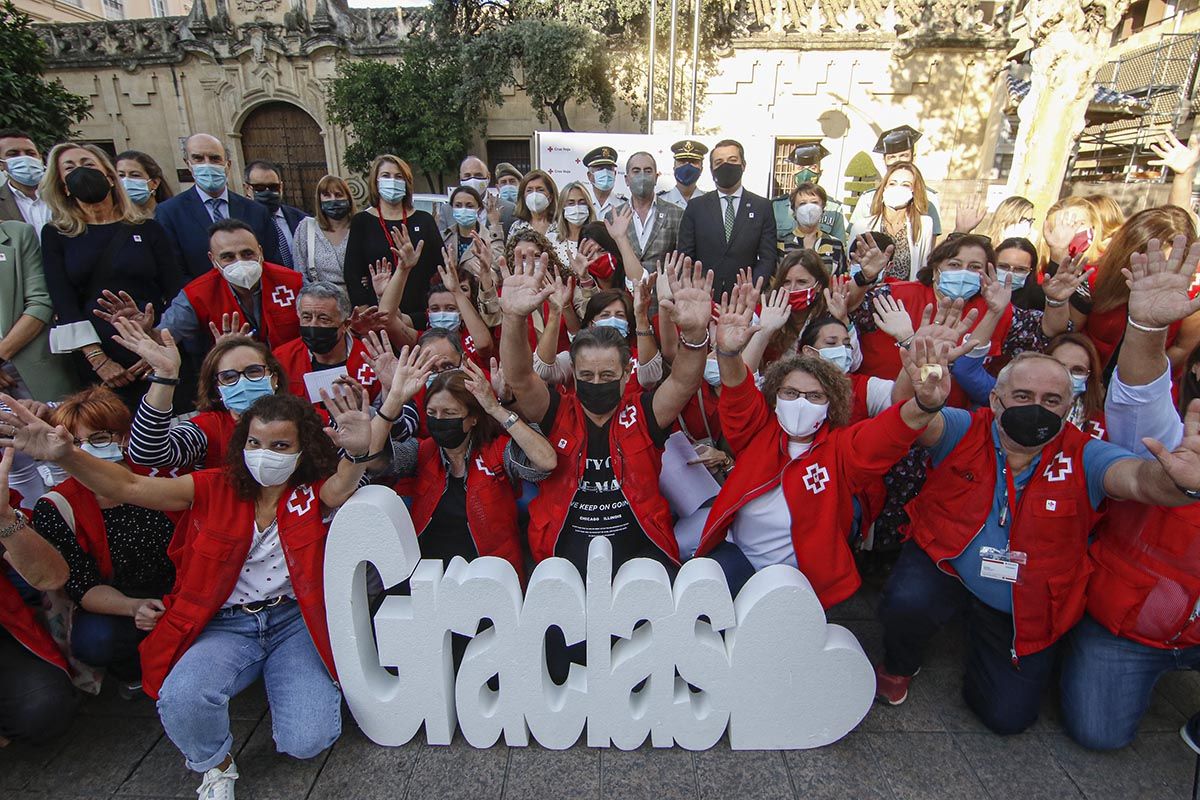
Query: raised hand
(997, 294)
(448, 272)
(949, 326)
(1174, 154)
(776, 311)
(499, 385)
(892, 317)
(381, 275)
(364, 319)
(735, 324)
(564, 291)
(21, 430)
(1159, 286)
(927, 365)
(1070, 277)
(112, 306)
(163, 358)
(412, 368)
(483, 252)
(7, 512)
(477, 384)
(673, 263)
(491, 204)
(837, 298)
(578, 263)
(405, 254)
(744, 276)
(619, 224)
(642, 294)
(1182, 464)
(380, 356)
(526, 288)
(969, 213)
(872, 260)
(231, 325)
(690, 305)
(111, 373)
(352, 421)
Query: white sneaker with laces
(218, 784)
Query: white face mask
(536, 202)
(840, 356)
(576, 215)
(109, 452)
(244, 274)
(897, 196)
(808, 215)
(1018, 230)
(270, 468)
(712, 372)
(478, 184)
(799, 417)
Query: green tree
(43, 108)
(559, 62)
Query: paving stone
(1169, 764)
(1182, 690)
(925, 765)
(760, 774)
(1163, 716)
(869, 633)
(648, 773)
(100, 754)
(859, 606)
(534, 771)
(1016, 767)
(360, 769)
(269, 775)
(848, 768)
(163, 773)
(458, 771)
(920, 712)
(1118, 775)
(20, 763)
(110, 704)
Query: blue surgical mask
(959, 284)
(508, 193)
(239, 397)
(1018, 278)
(137, 189)
(392, 189)
(450, 320)
(466, 217)
(1078, 384)
(25, 170)
(619, 324)
(209, 177)
(686, 174)
(712, 372)
(605, 179)
(838, 356)
(109, 452)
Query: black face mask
(320, 340)
(270, 199)
(88, 185)
(1031, 425)
(599, 398)
(335, 209)
(448, 433)
(728, 175)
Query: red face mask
(801, 298)
(603, 266)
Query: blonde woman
(1064, 221)
(1109, 217)
(1012, 219)
(537, 205)
(320, 248)
(574, 211)
(99, 241)
(900, 208)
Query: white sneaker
(218, 785)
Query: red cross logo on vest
(1058, 469)
(562, 444)
(628, 416)
(483, 467)
(469, 344)
(815, 478)
(365, 375)
(301, 500)
(1094, 429)
(283, 296)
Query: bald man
(188, 215)
(474, 172)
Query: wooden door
(286, 135)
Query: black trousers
(37, 699)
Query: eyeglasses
(254, 372)
(98, 439)
(788, 393)
(1080, 372)
(266, 187)
(1016, 269)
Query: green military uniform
(833, 221)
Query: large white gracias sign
(766, 665)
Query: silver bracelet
(17, 525)
(1145, 328)
(698, 345)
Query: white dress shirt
(282, 224)
(644, 229)
(33, 209)
(737, 201)
(223, 196)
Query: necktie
(728, 216)
(216, 208)
(285, 252)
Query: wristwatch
(513, 419)
(1192, 493)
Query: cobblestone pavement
(930, 747)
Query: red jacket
(1147, 574)
(297, 362)
(19, 619)
(818, 486)
(1051, 525)
(89, 524)
(636, 466)
(217, 427)
(211, 296)
(209, 551)
(491, 498)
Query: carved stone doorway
(286, 135)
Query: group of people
(192, 385)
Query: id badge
(1001, 565)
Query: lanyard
(1009, 511)
(387, 234)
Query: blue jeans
(918, 599)
(234, 649)
(107, 641)
(1107, 682)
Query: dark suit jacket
(752, 244)
(8, 206)
(187, 221)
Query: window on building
(158, 8)
(514, 151)
(1006, 144)
(783, 170)
(114, 9)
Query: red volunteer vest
(1147, 574)
(217, 427)
(491, 498)
(209, 552)
(211, 296)
(858, 397)
(700, 418)
(90, 532)
(297, 362)
(21, 622)
(1051, 525)
(636, 466)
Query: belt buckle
(262, 605)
